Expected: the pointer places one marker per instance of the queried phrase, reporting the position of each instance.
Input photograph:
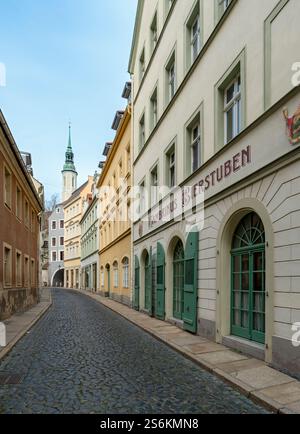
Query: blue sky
(65, 60)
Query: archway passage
(248, 280)
(58, 279)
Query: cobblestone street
(83, 358)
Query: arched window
(178, 281)
(248, 279)
(125, 273)
(116, 275)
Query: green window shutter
(191, 282)
(148, 282)
(160, 283)
(136, 301)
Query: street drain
(10, 379)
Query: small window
(171, 78)
(54, 256)
(153, 109)
(142, 64)
(154, 185)
(116, 275)
(195, 38)
(193, 152)
(142, 132)
(54, 225)
(61, 254)
(221, 5)
(154, 33)
(26, 213)
(33, 281)
(232, 110)
(19, 203)
(7, 187)
(7, 266)
(26, 271)
(171, 167)
(32, 221)
(126, 273)
(62, 224)
(53, 243)
(142, 198)
(61, 241)
(19, 268)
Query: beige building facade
(73, 212)
(115, 224)
(215, 112)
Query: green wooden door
(178, 281)
(191, 283)
(148, 282)
(248, 289)
(136, 301)
(160, 283)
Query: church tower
(69, 172)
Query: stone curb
(6, 350)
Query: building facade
(115, 224)
(73, 211)
(20, 208)
(56, 243)
(216, 250)
(90, 242)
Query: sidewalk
(255, 379)
(18, 325)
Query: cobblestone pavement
(83, 358)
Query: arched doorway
(248, 279)
(178, 281)
(58, 279)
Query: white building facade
(216, 111)
(56, 247)
(90, 274)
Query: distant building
(73, 211)
(69, 174)
(56, 247)
(20, 208)
(90, 241)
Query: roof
(118, 117)
(19, 158)
(75, 194)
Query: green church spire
(69, 164)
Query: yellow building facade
(115, 224)
(73, 212)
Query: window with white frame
(54, 256)
(142, 64)
(62, 255)
(171, 77)
(195, 38)
(116, 275)
(154, 185)
(142, 198)
(194, 157)
(142, 132)
(154, 32)
(232, 109)
(125, 273)
(53, 242)
(53, 225)
(153, 109)
(171, 167)
(221, 6)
